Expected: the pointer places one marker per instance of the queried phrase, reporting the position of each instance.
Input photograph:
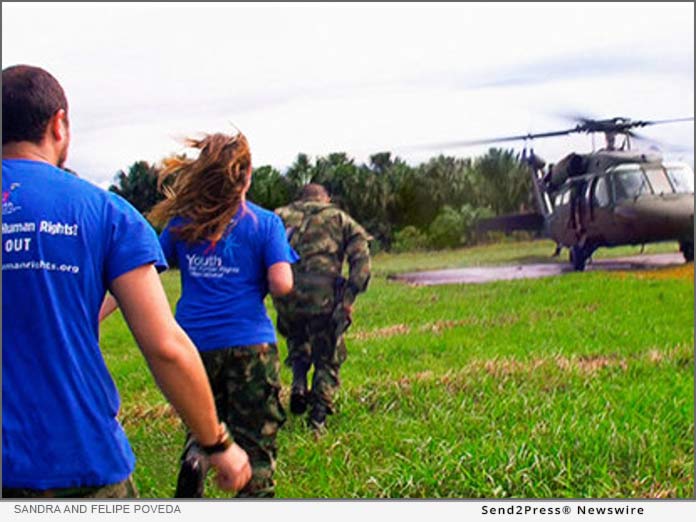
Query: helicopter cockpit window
(681, 177)
(658, 180)
(630, 183)
(600, 198)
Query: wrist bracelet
(224, 442)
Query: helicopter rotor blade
(587, 123)
(645, 123)
(662, 145)
(500, 139)
(584, 125)
(574, 117)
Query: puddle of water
(505, 273)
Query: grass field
(574, 386)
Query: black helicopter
(608, 197)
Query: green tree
(409, 239)
(381, 162)
(269, 188)
(387, 194)
(138, 186)
(449, 181)
(447, 229)
(452, 228)
(299, 173)
(503, 182)
(337, 173)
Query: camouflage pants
(246, 385)
(311, 341)
(125, 489)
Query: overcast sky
(358, 78)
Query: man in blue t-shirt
(64, 243)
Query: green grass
(574, 386)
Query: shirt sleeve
(357, 249)
(168, 244)
(277, 249)
(132, 242)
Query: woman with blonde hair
(231, 253)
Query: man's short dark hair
(30, 98)
(313, 191)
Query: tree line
(435, 204)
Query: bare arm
(280, 279)
(176, 366)
(108, 307)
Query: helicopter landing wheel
(578, 257)
(688, 250)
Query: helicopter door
(560, 218)
(599, 222)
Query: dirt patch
(503, 367)
(439, 326)
(582, 364)
(656, 491)
(139, 414)
(467, 376)
(435, 327)
(655, 356)
(381, 333)
(404, 383)
(590, 364)
(547, 314)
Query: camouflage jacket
(324, 236)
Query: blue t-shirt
(63, 241)
(223, 285)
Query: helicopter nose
(664, 218)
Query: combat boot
(298, 401)
(192, 473)
(317, 419)
(298, 391)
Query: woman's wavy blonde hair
(207, 191)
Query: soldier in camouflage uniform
(315, 315)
